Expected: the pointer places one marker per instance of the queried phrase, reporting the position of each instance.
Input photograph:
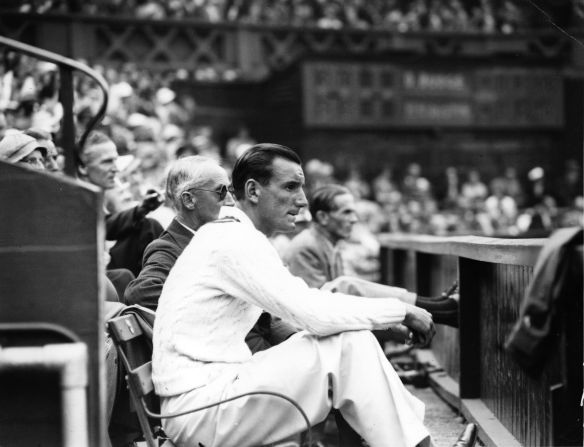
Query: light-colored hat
(121, 90)
(535, 174)
(16, 146)
(165, 95)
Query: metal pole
(68, 124)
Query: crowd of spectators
(461, 202)
(488, 16)
(150, 126)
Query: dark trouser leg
(347, 436)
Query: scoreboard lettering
(382, 95)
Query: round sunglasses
(221, 191)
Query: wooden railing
(477, 375)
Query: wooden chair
(132, 337)
(134, 349)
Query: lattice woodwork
(162, 46)
(172, 44)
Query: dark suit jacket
(159, 258)
(119, 225)
(133, 232)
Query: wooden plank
(490, 430)
(444, 385)
(494, 250)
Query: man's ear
(322, 217)
(252, 192)
(188, 200)
(81, 169)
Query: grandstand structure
(356, 97)
(353, 95)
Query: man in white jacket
(216, 291)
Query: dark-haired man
(216, 290)
(315, 255)
(197, 188)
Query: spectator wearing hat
(44, 138)
(24, 150)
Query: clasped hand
(419, 321)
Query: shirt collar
(235, 212)
(182, 224)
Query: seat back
(134, 348)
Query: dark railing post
(400, 258)
(470, 329)
(68, 125)
(424, 283)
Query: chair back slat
(142, 379)
(125, 328)
(135, 350)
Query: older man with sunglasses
(197, 189)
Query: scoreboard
(353, 95)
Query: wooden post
(400, 258)
(424, 263)
(470, 329)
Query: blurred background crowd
(489, 16)
(151, 126)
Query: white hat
(16, 146)
(535, 174)
(121, 90)
(165, 95)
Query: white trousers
(347, 371)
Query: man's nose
(52, 164)
(38, 164)
(301, 200)
(228, 200)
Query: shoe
(468, 437)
